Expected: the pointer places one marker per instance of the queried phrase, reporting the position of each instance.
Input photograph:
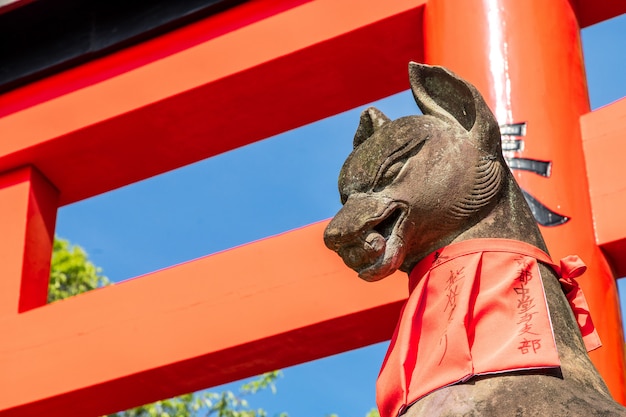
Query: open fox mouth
(386, 227)
(378, 252)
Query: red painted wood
(133, 57)
(590, 12)
(263, 306)
(98, 136)
(13, 4)
(27, 216)
(166, 103)
(197, 103)
(603, 133)
(501, 46)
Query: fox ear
(441, 94)
(371, 120)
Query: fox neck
(508, 218)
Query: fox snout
(357, 251)
(358, 215)
(361, 233)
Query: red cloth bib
(475, 307)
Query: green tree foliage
(73, 273)
(209, 404)
(373, 413)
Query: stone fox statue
(488, 329)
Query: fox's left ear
(442, 94)
(371, 120)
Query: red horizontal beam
(149, 51)
(590, 12)
(293, 301)
(603, 133)
(320, 57)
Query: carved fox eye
(389, 175)
(392, 166)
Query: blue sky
(275, 185)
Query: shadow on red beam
(268, 77)
(603, 132)
(135, 56)
(262, 306)
(590, 12)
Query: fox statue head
(415, 184)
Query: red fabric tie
(475, 307)
(572, 267)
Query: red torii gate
(208, 88)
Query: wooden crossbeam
(603, 133)
(590, 12)
(263, 306)
(214, 96)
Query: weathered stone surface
(419, 183)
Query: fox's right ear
(371, 120)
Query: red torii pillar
(526, 59)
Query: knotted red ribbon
(573, 267)
(476, 307)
